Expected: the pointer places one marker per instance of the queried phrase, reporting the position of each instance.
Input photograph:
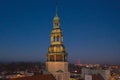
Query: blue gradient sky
(91, 29)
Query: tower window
(59, 58)
(57, 38)
(54, 39)
(51, 57)
(56, 24)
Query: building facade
(105, 74)
(57, 57)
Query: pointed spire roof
(56, 7)
(56, 16)
(56, 19)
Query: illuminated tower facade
(57, 63)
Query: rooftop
(37, 77)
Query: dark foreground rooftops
(37, 77)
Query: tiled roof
(97, 77)
(37, 77)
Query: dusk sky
(91, 29)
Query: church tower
(57, 63)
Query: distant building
(93, 77)
(57, 62)
(95, 73)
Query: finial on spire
(56, 7)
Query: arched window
(54, 38)
(51, 57)
(57, 38)
(56, 24)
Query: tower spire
(56, 20)
(56, 7)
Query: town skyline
(91, 30)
